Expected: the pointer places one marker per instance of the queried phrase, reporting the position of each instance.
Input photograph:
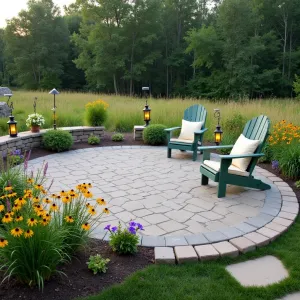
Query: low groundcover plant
(40, 230)
(124, 240)
(97, 264)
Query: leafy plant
(40, 231)
(296, 85)
(124, 240)
(297, 184)
(93, 140)
(234, 125)
(227, 139)
(98, 264)
(35, 120)
(15, 157)
(268, 153)
(117, 137)
(57, 140)
(155, 134)
(96, 112)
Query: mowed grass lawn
(210, 280)
(125, 112)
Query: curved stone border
(28, 140)
(278, 214)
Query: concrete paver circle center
(165, 195)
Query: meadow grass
(125, 112)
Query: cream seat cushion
(182, 141)
(243, 146)
(188, 129)
(216, 165)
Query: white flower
(35, 120)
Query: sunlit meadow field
(125, 112)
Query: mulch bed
(80, 281)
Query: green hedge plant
(57, 140)
(94, 140)
(117, 137)
(155, 134)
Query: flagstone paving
(165, 195)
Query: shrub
(124, 241)
(268, 153)
(234, 125)
(57, 140)
(296, 86)
(155, 134)
(96, 112)
(98, 264)
(93, 140)
(227, 139)
(297, 184)
(39, 231)
(117, 137)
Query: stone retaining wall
(28, 140)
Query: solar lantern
(218, 132)
(12, 124)
(54, 92)
(146, 110)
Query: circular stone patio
(165, 195)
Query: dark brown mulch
(80, 281)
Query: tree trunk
(131, 66)
(284, 45)
(167, 64)
(290, 52)
(115, 84)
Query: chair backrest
(195, 113)
(257, 129)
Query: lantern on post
(12, 124)
(54, 92)
(218, 132)
(146, 110)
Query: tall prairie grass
(125, 112)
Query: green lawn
(210, 280)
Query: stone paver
(258, 239)
(243, 244)
(164, 255)
(172, 241)
(258, 272)
(272, 234)
(185, 254)
(207, 252)
(226, 249)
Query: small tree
(296, 86)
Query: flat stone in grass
(185, 254)
(258, 272)
(294, 296)
(164, 255)
(226, 249)
(207, 252)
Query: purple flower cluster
(17, 153)
(132, 228)
(275, 165)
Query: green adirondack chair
(255, 129)
(195, 113)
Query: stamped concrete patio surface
(165, 195)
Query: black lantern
(218, 132)
(146, 109)
(54, 92)
(12, 127)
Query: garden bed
(80, 281)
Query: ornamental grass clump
(96, 112)
(40, 230)
(124, 240)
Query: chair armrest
(241, 156)
(171, 129)
(211, 148)
(201, 131)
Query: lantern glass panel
(218, 137)
(146, 115)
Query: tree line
(190, 48)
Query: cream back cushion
(188, 129)
(243, 146)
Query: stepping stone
(185, 254)
(226, 249)
(164, 255)
(207, 252)
(244, 245)
(294, 296)
(258, 272)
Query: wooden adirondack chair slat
(194, 113)
(255, 129)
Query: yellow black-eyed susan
(88, 194)
(54, 207)
(30, 180)
(86, 226)
(11, 213)
(63, 193)
(40, 213)
(53, 196)
(2, 207)
(36, 200)
(20, 201)
(101, 201)
(16, 207)
(16, 232)
(18, 218)
(88, 205)
(32, 222)
(39, 187)
(78, 187)
(47, 201)
(66, 199)
(92, 211)
(69, 219)
(28, 233)
(44, 191)
(8, 188)
(44, 222)
(7, 218)
(28, 191)
(89, 185)
(47, 216)
(106, 210)
(3, 243)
